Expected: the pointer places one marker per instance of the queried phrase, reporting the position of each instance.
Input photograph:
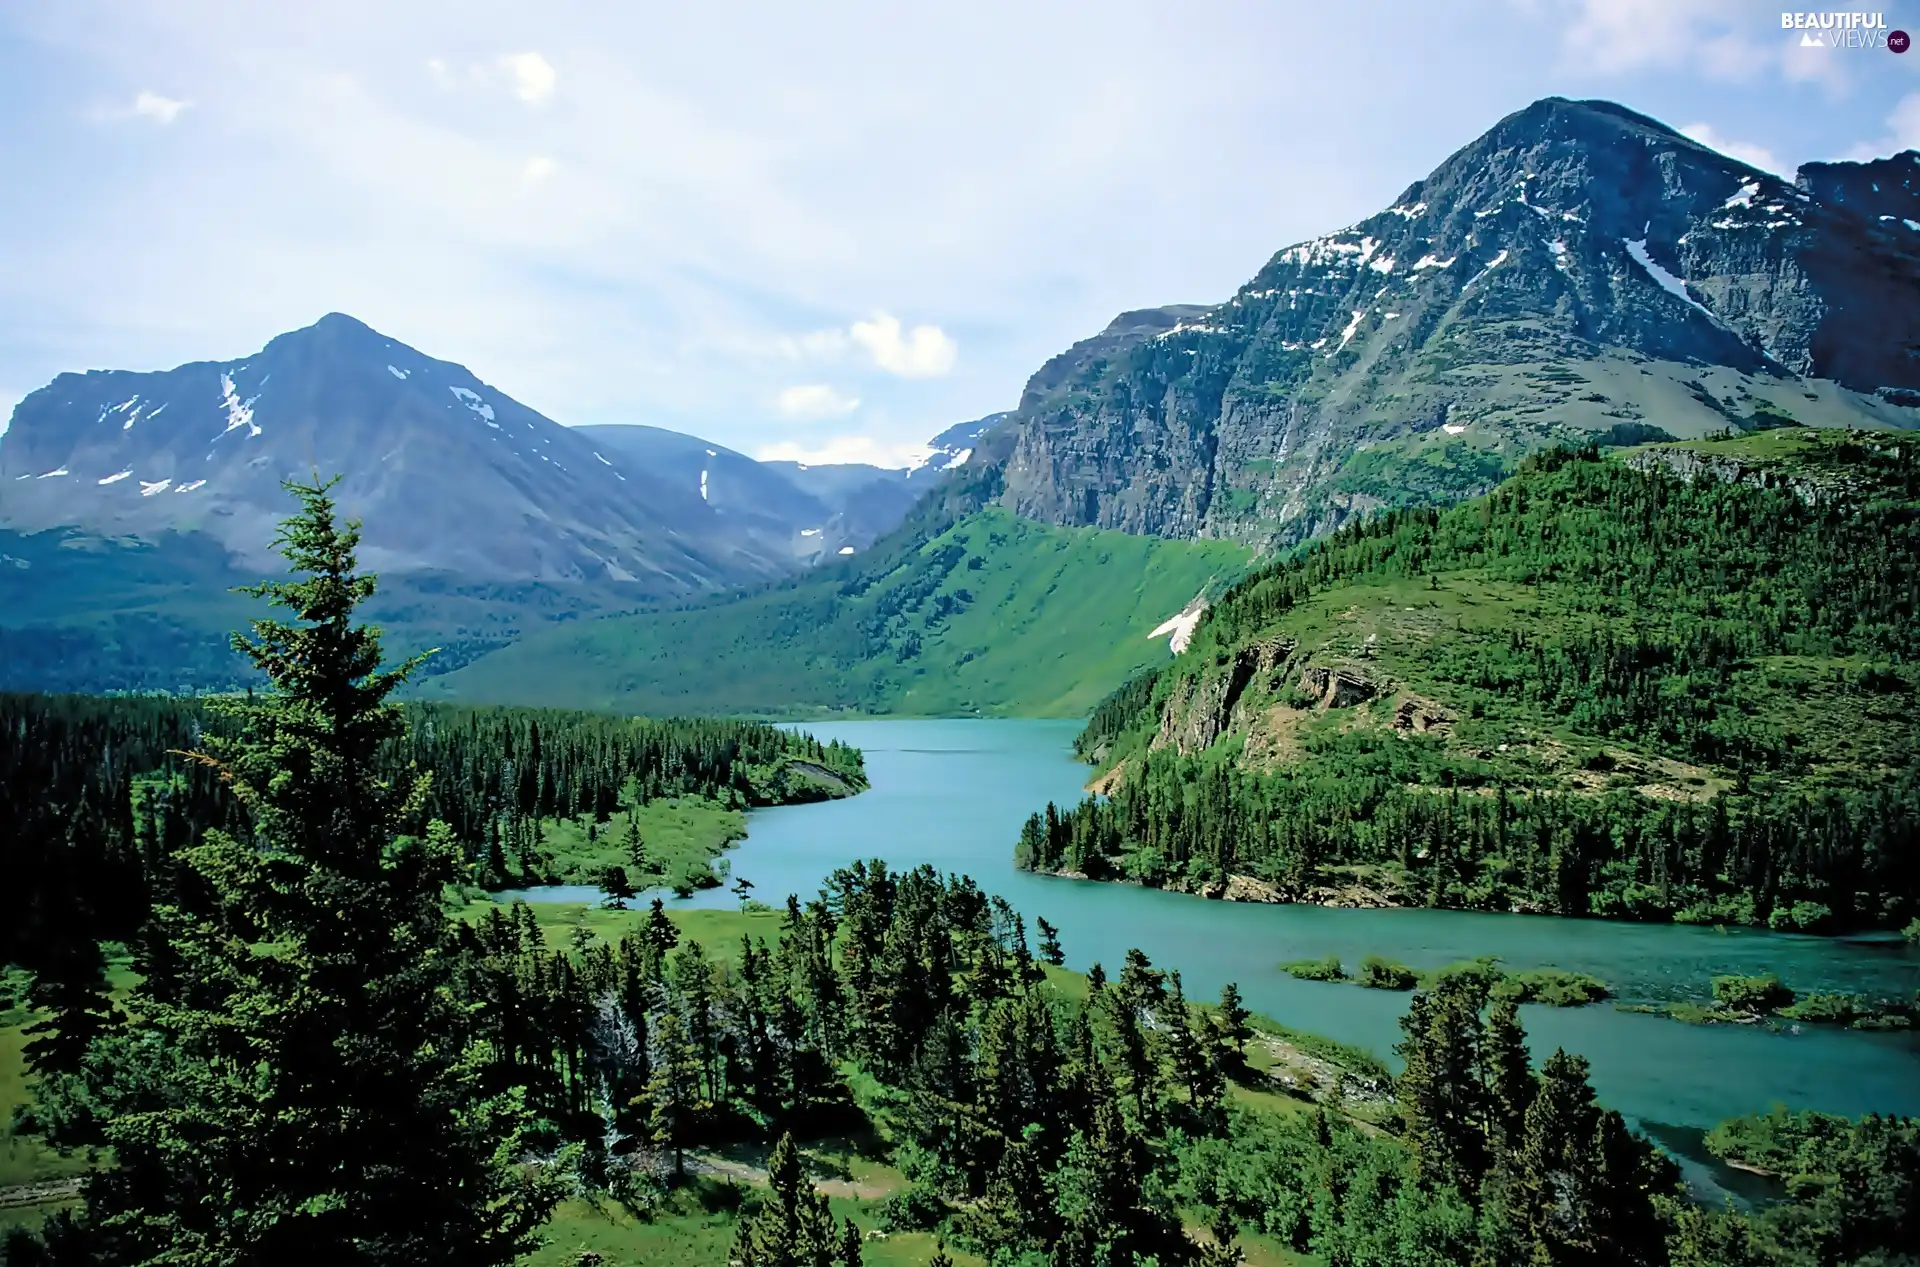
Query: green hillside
(995, 615)
(83, 612)
(1676, 685)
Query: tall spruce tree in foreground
(303, 1087)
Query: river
(954, 793)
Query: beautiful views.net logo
(1845, 30)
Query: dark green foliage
(1117, 713)
(100, 801)
(1327, 969)
(793, 1227)
(1385, 974)
(1554, 987)
(1704, 621)
(618, 887)
(301, 1056)
(913, 1209)
(1753, 995)
(1050, 951)
(1625, 435)
(1853, 1186)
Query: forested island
(1678, 686)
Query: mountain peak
(336, 332)
(1577, 269)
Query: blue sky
(822, 230)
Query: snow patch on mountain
(239, 412)
(472, 401)
(1637, 248)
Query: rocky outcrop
(1201, 708)
(1565, 274)
(1335, 687)
(1420, 716)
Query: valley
(994, 615)
(1512, 595)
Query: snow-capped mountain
(448, 474)
(1580, 271)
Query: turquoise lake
(954, 793)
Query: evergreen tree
(619, 888)
(792, 1227)
(1233, 1018)
(1050, 942)
(675, 1092)
(635, 848)
(660, 933)
(850, 1255)
(309, 1064)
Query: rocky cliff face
(1579, 270)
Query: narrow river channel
(954, 793)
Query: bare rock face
(1577, 270)
(1336, 687)
(1420, 716)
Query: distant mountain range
(131, 502)
(450, 475)
(1580, 272)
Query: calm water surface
(954, 793)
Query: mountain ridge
(1579, 267)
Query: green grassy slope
(85, 613)
(995, 615)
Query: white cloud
(1748, 153)
(1729, 40)
(533, 76)
(839, 449)
(922, 352)
(1903, 132)
(151, 105)
(816, 400)
(537, 169)
(814, 344)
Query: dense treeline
(1770, 854)
(1720, 623)
(98, 794)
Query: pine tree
(1233, 1018)
(793, 1227)
(676, 1090)
(1050, 942)
(850, 1255)
(618, 887)
(660, 933)
(635, 848)
(1442, 1097)
(310, 1065)
(1507, 1074)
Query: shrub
(1377, 973)
(1826, 1009)
(1327, 969)
(1801, 917)
(915, 1209)
(1556, 987)
(1755, 995)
